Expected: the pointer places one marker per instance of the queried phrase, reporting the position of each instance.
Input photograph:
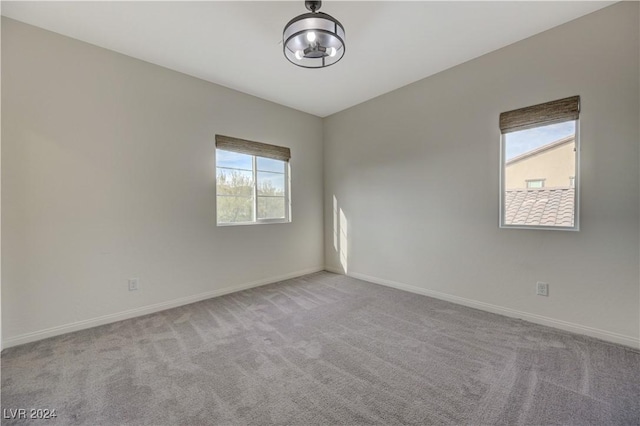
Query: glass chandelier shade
(313, 40)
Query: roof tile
(540, 206)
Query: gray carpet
(324, 349)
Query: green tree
(235, 196)
(271, 201)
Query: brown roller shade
(253, 148)
(548, 113)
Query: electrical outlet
(542, 289)
(134, 284)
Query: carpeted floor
(324, 349)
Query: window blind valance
(547, 113)
(260, 149)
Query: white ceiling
(238, 44)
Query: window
(539, 149)
(252, 182)
(535, 183)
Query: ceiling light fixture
(313, 40)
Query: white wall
(415, 175)
(108, 172)
(1, 344)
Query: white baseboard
(633, 342)
(145, 310)
(132, 313)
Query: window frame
(529, 181)
(254, 166)
(576, 205)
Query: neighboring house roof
(543, 148)
(542, 207)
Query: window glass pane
(234, 209)
(271, 208)
(269, 165)
(537, 163)
(234, 182)
(233, 160)
(237, 183)
(270, 183)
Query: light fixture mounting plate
(313, 5)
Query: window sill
(261, 222)
(542, 228)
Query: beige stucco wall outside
(554, 165)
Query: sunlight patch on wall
(335, 223)
(343, 241)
